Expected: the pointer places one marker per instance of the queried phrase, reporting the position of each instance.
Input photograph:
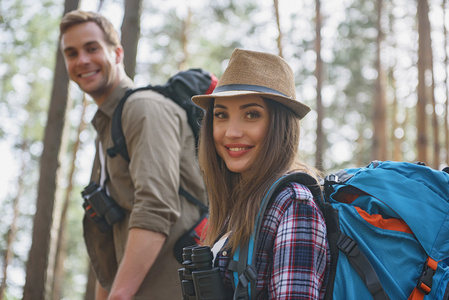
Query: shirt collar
(111, 102)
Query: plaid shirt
(292, 256)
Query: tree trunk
(435, 123)
(61, 247)
(9, 253)
(131, 34)
(379, 150)
(278, 23)
(34, 288)
(56, 222)
(397, 153)
(446, 81)
(359, 160)
(186, 24)
(319, 102)
(423, 56)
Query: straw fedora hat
(257, 73)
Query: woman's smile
(238, 150)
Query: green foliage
(212, 34)
(76, 262)
(27, 52)
(351, 74)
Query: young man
(134, 259)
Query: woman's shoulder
(294, 191)
(294, 204)
(292, 196)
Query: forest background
(374, 72)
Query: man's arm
(154, 171)
(141, 250)
(100, 292)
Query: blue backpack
(388, 232)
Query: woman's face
(239, 127)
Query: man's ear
(119, 54)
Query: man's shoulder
(151, 98)
(153, 106)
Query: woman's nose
(234, 129)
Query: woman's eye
(219, 115)
(252, 114)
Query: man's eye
(70, 54)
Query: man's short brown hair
(76, 17)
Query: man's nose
(83, 58)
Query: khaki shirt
(161, 147)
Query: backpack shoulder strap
(243, 261)
(362, 266)
(203, 208)
(117, 135)
(118, 138)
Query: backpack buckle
(347, 245)
(331, 179)
(328, 183)
(248, 275)
(425, 280)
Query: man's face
(90, 61)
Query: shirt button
(225, 253)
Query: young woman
(249, 139)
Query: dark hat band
(247, 87)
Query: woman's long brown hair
(233, 200)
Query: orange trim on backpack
(389, 224)
(416, 293)
(433, 264)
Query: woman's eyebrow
(244, 106)
(250, 104)
(219, 106)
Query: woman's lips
(238, 150)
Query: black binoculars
(100, 207)
(199, 281)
